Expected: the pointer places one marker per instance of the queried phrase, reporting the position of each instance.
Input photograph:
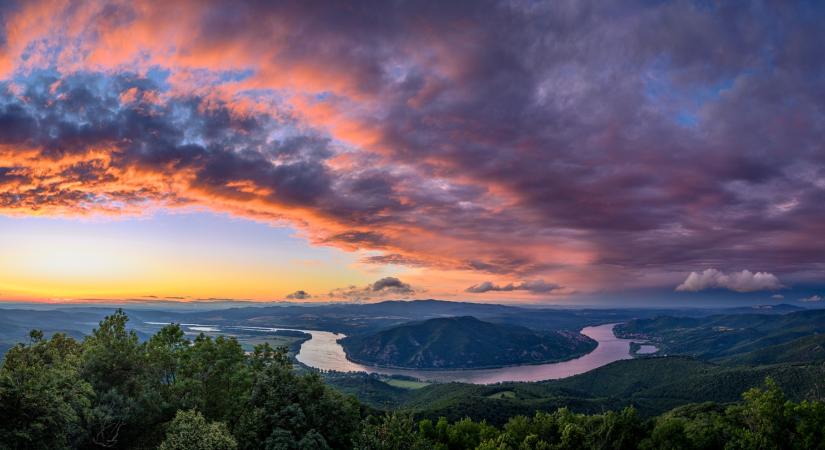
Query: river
(324, 352)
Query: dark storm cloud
(576, 111)
(522, 138)
(78, 145)
(574, 108)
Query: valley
(653, 361)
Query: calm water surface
(323, 352)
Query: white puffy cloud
(813, 298)
(744, 281)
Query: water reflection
(324, 352)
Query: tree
(43, 401)
(810, 424)
(619, 431)
(190, 431)
(286, 410)
(164, 351)
(394, 431)
(113, 363)
(215, 378)
(668, 434)
(762, 422)
(469, 434)
(162, 379)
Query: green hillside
(724, 337)
(463, 342)
(651, 385)
(806, 349)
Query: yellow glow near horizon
(93, 261)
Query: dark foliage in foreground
(763, 420)
(112, 391)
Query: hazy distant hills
(365, 318)
(16, 319)
(740, 338)
(463, 342)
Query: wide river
(323, 352)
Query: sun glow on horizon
(168, 256)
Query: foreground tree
(44, 403)
(215, 377)
(393, 432)
(114, 363)
(287, 411)
(190, 431)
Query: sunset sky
(570, 152)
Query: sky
(561, 152)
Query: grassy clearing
(249, 343)
(406, 384)
(503, 394)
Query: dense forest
(112, 390)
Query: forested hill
(463, 342)
(744, 338)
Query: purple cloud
(629, 139)
(534, 286)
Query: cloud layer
(744, 281)
(534, 286)
(594, 143)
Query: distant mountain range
(463, 342)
